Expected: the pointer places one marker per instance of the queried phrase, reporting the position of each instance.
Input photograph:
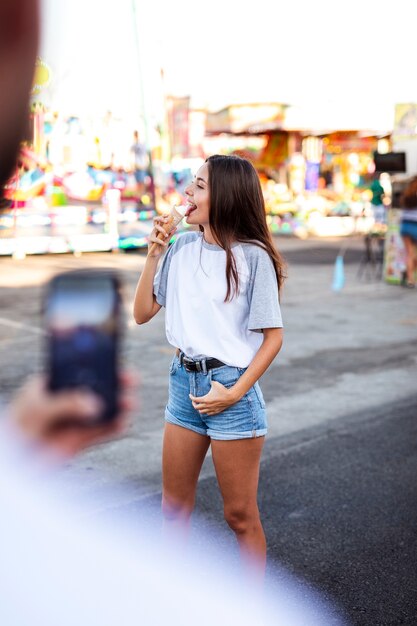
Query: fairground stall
(315, 181)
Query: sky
(334, 59)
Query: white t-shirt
(191, 284)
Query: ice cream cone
(175, 217)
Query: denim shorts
(244, 419)
(409, 229)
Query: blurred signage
(338, 142)
(247, 118)
(394, 256)
(178, 124)
(197, 130)
(405, 121)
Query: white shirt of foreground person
(60, 567)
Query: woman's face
(198, 198)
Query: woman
(220, 289)
(408, 231)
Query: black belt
(198, 365)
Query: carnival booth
(315, 182)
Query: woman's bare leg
(237, 465)
(182, 457)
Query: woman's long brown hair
(237, 214)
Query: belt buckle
(187, 363)
(194, 366)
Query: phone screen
(83, 321)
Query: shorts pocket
(259, 395)
(175, 363)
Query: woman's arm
(220, 397)
(145, 305)
(269, 349)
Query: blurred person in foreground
(39, 416)
(57, 565)
(408, 231)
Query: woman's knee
(242, 518)
(176, 509)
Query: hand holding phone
(60, 424)
(83, 321)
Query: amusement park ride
(95, 210)
(82, 209)
(80, 212)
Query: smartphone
(82, 313)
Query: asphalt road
(337, 490)
(338, 505)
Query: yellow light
(42, 76)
